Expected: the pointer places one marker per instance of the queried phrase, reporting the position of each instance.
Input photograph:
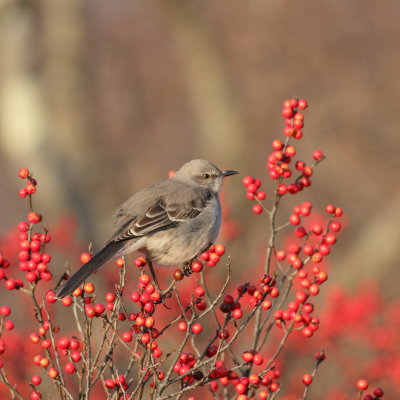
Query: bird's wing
(166, 212)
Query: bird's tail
(98, 260)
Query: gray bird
(171, 222)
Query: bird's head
(204, 173)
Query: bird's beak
(229, 173)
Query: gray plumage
(171, 222)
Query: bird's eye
(206, 176)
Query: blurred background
(102, 98)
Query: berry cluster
(197, 335)
(280, 162)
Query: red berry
(53, 373)
(307, 331)
(178, 275)
(76, 356)
(36, 395)
(247, 180)
(258, 359)
(290, 151)
(23, 173)
(99, 308)
(126, 336)
(307, 379)
(237, 313)
(85, 257)
(8, 325)
(257, 209)
(199, 291)
(287, 112)
(277, 145)
(266, 304)
(294, 219)
(219, 249)
(197, 266)
(197, 328)
(30, 189)
(313, 289)
(144, 279)
(302, 104)
(109, 383)
(36, 380)
(274, 292)
(5, 310)
(252, 188)
(34, 217)
(10, 284)
(110, 297)
(182, 326)
(247, 356)
(88, 288)
(318, 155)
(293, 103)
(362, 384)
(330, 209)
(338, 212)
(240, 389)
(69, 368)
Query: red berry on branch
(182, 326)
(197, 266)
(257, 209)
(23, 173)
(362, 384)
(36, 380)
(178, 275)
(307, 379)
(330, 209)
(258, 359)
(247, 180)
(261, 195)
(34, 217)
(88, 288)
(85, 257)
(277, 145)
(290, 151)
(69, 368)
(10, 284)
(247, 356)
(52, 373)
(287, 112)
(126, 336)
(197, 328)
(199, 291)
(302, 104)
(30, 189)
(294, 219)
(318, 155)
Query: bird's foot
(187, 269)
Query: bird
(170, 222)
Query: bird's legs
(166, 293)
(187, 268)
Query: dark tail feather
(98, 260)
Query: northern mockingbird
(171, 222)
